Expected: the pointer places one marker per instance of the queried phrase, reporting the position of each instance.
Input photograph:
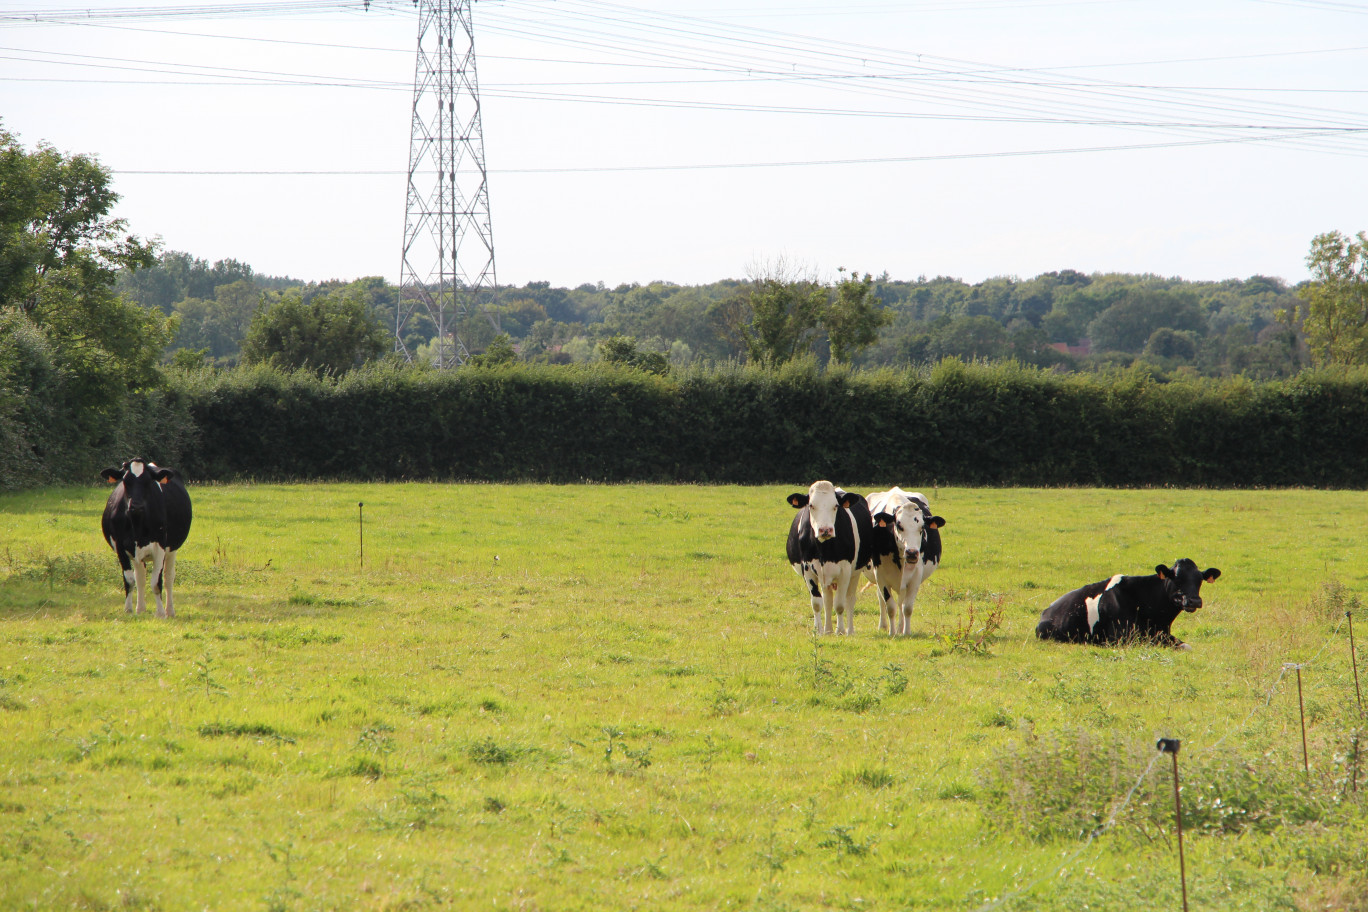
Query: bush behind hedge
(956, 423)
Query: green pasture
(610, 697)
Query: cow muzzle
(1191, 604)
(911, 557)
(826, 533)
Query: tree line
(93, 320)
(1260, 327)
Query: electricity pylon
(448, 240)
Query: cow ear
(798, 500)
(163, 475)
(848, 498)
(1164, 572)
(111, 475)
(883, 520)
(935, 522)
(1211, 574)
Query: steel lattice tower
(448, 240)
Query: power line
(621, 169)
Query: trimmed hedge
(962, 424)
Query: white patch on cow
(1113, 581)
(136, 468)
(130, 588)
(141, 555)
(822, 509)
(1092, 607)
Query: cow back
(864, 527)
(178, 512)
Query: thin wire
(1097, 831)
(1268, 699)
(1126, 801)
(957, 156)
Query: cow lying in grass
(1127, 607)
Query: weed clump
(974, 632)
(1333, 601)
(1076, 782)
(488, 753)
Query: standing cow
(146, 518)
(906, 550)
(1125, 607)
(828, 544)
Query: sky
(691, 141)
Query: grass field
(590, 697)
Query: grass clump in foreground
(610, 697)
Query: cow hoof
(1183, 647)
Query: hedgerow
(954, 423)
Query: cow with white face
(146, 519)
(828, 543)
(906, 550)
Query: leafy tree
(221, 324)
(1171, 344)
(1128, 324)
(176, 276)
(1031, 345)
(499, 352)
(853, 319)
(329, 333)
(60, 253)
(623, 350)
(1334, 309)
(968, 338)
(777, 317)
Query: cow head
(142, 496)
(1183, 583)
(909, 530)
(911, 520)
(823, 503)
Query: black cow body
(146, 519)
(829, 541)
(1127, 607)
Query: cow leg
(158, 568)
(828, 603)
(886, 607)
(168, 580)
(815, 591)
(140, 581)
(129, 579)
(908, 598)
(851, 592)
(873, 576)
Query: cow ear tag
(163, 481)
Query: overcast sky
(694, 140)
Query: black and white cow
(907, 550)
(1126, 607)
(828, 544)
(146, 518)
